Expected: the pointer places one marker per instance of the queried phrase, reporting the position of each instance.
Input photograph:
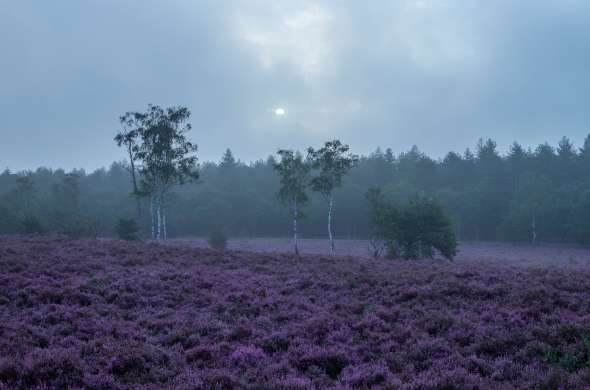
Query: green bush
(127, 229)
(384, 216)
(217, 240)
(417, 230)
(32, 225)
(80, 227)
(424, 229)
(74, 229)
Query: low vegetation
(217, 240)
(116, 314)
(32, 225)
(418, 229)
(127, 229)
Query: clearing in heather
(114, 315)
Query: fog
(439, 74)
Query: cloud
(285, 33)
(438, 73)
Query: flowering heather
(515, 254)
(118, 315)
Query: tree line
(539, 194)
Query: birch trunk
(295, 211)
(534, 230)
(164, 227)
(331, 204)
(159, 219)
(134, 178)
(153, 216)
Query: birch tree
(165, 156)
(332, 162)
(128, 138)
(294, 174)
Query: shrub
(127, 229)
(425, 228)
(217, 240)
(376, 247)
(384, 218)
(367, 375)
(32, 225)
(416, 230)
(75, 229)
(331, 361)
(247, 355)
(129, 366)
(53, 368)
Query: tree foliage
(294, 177)
(157, 140)
(488, 195)
(32, 225)
(217, 240)
(127, 229)
(331, 163)
(416, 230)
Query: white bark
(159, 219)
(153, 216)
(331, 204)
(534, 230)
(164, 228)
(134, 179)
(295, 211)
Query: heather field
(514, 254)
(118, 315)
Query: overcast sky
(436, 73)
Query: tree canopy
(157, 140)
(294, 177)
(489, 195)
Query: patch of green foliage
(415, 230)
(217, 240)
(80, 227)
(32, 225)
(571, 362)
(127, 229)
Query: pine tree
(228, 160)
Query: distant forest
(520, 195)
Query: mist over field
(294, 195)
(439, 74)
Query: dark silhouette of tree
(566, 161)
(127, 229)
(25, 193)
(228, 160)
(128, 138)
(487, 194)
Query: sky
(439, 74)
